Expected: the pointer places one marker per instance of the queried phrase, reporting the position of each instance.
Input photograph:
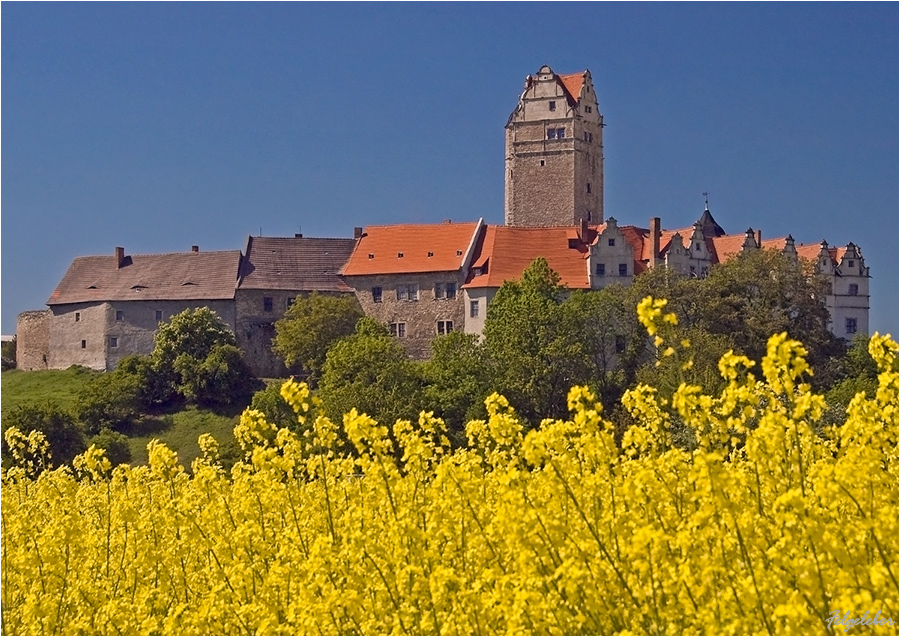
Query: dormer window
(587, 109)
(851, 263)
(611, 243)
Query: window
(601, 269)
(77, 316)
(589, 187)
(543, 163)
(588, 137)
(551, 133)
(83, 344)
(158, 315)
(560, 133)
(620, 344)
(850, 324)
(445, 290)
(552, 105)
(267, 304)
(587, 109)
(120, 315)
(851, 263)
(623, 269)
(473, 309)
(697, 246)
(854, 289)
(408, 292)
(612, 243)
(376, 294)
(444, 327)
(398, 330)
(113, 341)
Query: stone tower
(554, 153)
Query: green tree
(269, 401)
(110, 401)
(60, 428)
(763, 292)
(533, 345)
(114, 444)
(458, 379)
(8, 351)
(310, 326)
(372, 372)
(196, 357)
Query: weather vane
(706, 198)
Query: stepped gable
(506, 251)
(295, 263)
(412, 248)
(173, 276)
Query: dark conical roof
(709, 225)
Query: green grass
(178, 430)
(58, 386)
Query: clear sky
(155, 126)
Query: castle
(420, 280)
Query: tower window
(854, 289)
(77, 316)
(552, 105)
(850, 325)
(543, 163)
(560, 133)
(551, 133)
(589, 187)
(83, 344)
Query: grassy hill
(179, 430)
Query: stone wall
(419, 318)
(255, 327)
(33, 340)
(99, 335)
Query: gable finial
(706, 201)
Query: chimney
(120, 257)
(583, 230)
(357, 232)
(759, 238)
(195, 248)
(655, 234)
(298, 235)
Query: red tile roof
(725, 247)
(424, 248)
(573, 84)
(157, 277)
(507, 251)
(295, 263)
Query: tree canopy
(310, 326)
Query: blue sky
(156, 126)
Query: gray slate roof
(181, 276)
(295, 263)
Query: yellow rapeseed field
(766, 527)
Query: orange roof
(724, 248)
(410, 248)
(573, 84)
(508, 251)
